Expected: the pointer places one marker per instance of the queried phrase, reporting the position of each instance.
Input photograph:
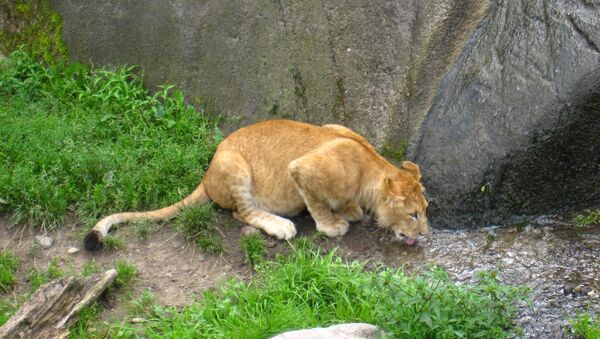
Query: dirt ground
(558, 261)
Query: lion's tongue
(410, 241)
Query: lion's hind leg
(234, 190)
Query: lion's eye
(414, 215)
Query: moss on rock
(35, 27)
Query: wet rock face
(514, 126)
(372, 66)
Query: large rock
(371, 65)
(514, 128)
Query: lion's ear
(412, 169)
(393, 194)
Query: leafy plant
(586, 326)
(589, 218)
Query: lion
(278, 168)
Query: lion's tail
(100, 230)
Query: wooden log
(55, 306)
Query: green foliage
(90, 268)
(307, 289)
(195, 223)
(585, 326)
(37, 278)
(126, 274)
(88, 316)
(394, 152)
(95, 141)
(113, 243)
(589, 218)
(7, 309)
(254, 249)
(8, 269)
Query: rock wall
(371, 65)
(514, 128)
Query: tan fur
(278, 168)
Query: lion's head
(402, 205)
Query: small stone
(72, 250)
(555, 303)
(247, 230)
(138, 320)
(592, 294)
(547, 229)
(44, 241)
(227, 268)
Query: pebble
(72, 250)
(138, 320)
(247, 230)
(44, 241)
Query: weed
(196, 224)
(307, 289)
(589, 218)
(113, 243)
(126, 273)
(142, 228)
(585, 326)
(144, 304)
(8, 269)
(83, 327)
(253, 247)
(53, 270)
(7, 309)
(90, 268)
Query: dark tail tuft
(92, 241)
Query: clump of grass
(87, 318)
(37, 278)
(196, 224)
(307, 289)
(113, 243)
(254, 249)
(142, 229)
(89, 268)
(588, 218)
(7, 309)
(126, 274)
(585, 326)
(94, 139)
(8, 268)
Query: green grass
(8, 268)
(307, 289)
(94, 141)
(113, 243)
(254, 249)
(588, 218)
(586, 326)
(196, 224)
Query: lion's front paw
(352, 213)
(280, 228)
(335, 229)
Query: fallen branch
(55, 306)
